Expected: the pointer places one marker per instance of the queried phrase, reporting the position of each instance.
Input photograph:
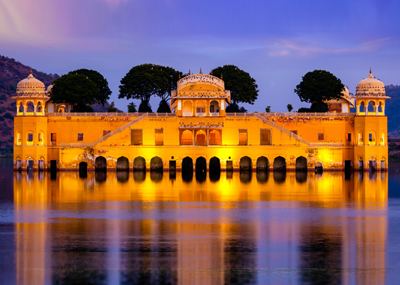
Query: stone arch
(39, 107)
(362, 107)
(187, 108)
(187, 164)
(382, 139)
(29, 137)
(61, 108)
(301, 176)
(200, 138)
(279, 164)
(156, 164)
(245, 164)
(279, 176)
(262, 164)
(215, 137)
(187, 137)
(319, 167)
(30, 107)
(41, 138)
(122, 163)
(21, 107)
(100, 164)
(380, 109)
(301, 163)
(214, 107)
(122, 176)
(83, 169)
(360, 138)
(215, 165)
(371, 107)
(18, 138)
(156, 176)
(371, 137)
(245, 176)
(201, 164)
(139, 164)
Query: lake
(228, 228)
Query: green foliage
(1, 119)
(76, 89)
(163, 107)
(145, 107)
(146, 80)
(8, 116)
(132, 108)
(289, 107)
(268, 109)
(242, 86)
(234, 108)
(112, 108)
(319, 86)
(104, 91)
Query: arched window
(18, 139)
(39, 107)
(360, 138)
(380, 109)
(187, 108)
(371, 107)
(371, 138)
(382, 139)
(214, 108)
(30, 108)
(21, 108)
(40, 138)
(29, 138)
(362, 107)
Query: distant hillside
(11, 72)
(392, 110)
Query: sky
(276, 42)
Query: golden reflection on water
(309, 221)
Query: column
(377, 110)
(17, 110)
(25, 110)
(34, 109)
(358, 109)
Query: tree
(289, 107)
(268, 109)
(76, 89)
(242, 86)
(145, 107)
(319, 86)
(132, 108)
(146, 80)
(112, 108)
(104, 91)
(163, 107)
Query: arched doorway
(262, 164)
(83, 169)
(187, 137)
(201, 164)
(245, 164)
(301, 163)
(319, 167)
(279, 164)
(100, 164)
(214, 169)
(156, 164)
(187, 164)
(122, 163)
(139, 164)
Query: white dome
(49, 88)
(370, 87)
(30, 86)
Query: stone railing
(107, 114)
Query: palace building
(199, 134)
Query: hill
(11, 72)
(392, 110)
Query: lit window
(242, 137)
(80, 137)
(265, 137)
(159, 137)
(136, 137)
(321, 136)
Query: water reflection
(159, 228)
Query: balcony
(214, 114)
(185, 114)
(201, 114)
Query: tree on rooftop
(146, 80)
(242, 86)
(76, 89)
(318, 86)
(102, 85)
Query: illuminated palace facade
(199, 134)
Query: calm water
(135, 228)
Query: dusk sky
(277, 42)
